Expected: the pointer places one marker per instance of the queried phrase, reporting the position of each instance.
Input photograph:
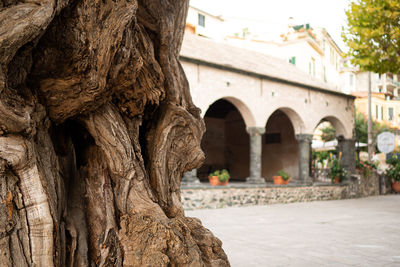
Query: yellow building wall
(384, 105)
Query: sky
(273, 15)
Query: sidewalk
(355, 232)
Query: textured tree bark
(97, 127)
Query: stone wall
(366, 184)
(237, 195)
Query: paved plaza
(356, 232)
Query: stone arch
(243, 108)
(226, 142)
(280, 149)
(337, 124)
(295, 119)
(346, 143)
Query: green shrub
(393, 171)
(285, 176)
(337, 171)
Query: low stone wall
(366, 184)
(235, 195)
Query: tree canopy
(362, 128)
(328, 133)
(373, 35)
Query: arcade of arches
(228, 144)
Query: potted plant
(393, 173)
(282, 178)
(219, 177)
(338, 173)
(224, 177)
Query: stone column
(348, 160)
(255, 155)
(304, 158)
(190, 178)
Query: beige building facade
(311, 50)
(385, 99)
(203, 23)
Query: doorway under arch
(226, 142)
(280, 150)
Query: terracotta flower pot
(223, 183)
(336, 180)
(396, 187)
(279, 180)
(213, 180)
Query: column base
(190, 179)
(255, 180)
(190, 182)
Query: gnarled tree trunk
(97, 127)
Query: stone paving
(355, 232)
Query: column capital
(255, 130)
(343, 139)
(304, 137)
(340, 138)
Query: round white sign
(386, 142)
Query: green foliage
(393, 160)
(373, 35)
(366, 167)
(393, 171)
(223, 175)
(362, 128)
(320, 156)
(285, 176)
(337, 171)
(366, 164)
(215, 173)
(328, 133)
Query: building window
(325, 74)
(292, 60)
(202, 20)
(390, 114)
(272, 138)
(379, 112)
